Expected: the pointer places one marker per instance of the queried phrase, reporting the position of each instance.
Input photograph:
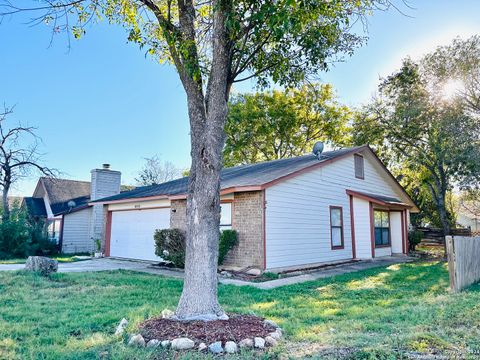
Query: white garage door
(132, 232)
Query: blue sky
(104, 101)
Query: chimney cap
(106, 166)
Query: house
(290, 213)
(469, 221)
(64, 205)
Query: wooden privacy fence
(435, 235)
(463, 261)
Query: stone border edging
(184, 344)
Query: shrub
(170, 246)
(21, 238)
(14, 239)
(414, 238)
(228, 239)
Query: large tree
(278, 124)
(214, 44)
(19, 156)
(436, 140)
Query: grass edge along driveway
(376, 313)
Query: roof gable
(62, 191)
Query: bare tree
(156, 171)
(16, 159)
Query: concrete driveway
(108, 264)
(104, 264)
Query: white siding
(383, 251)
(396, 232)
(297, 212)
(363, 235)
(76, 232)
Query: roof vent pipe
(318, 149)
(106, 166)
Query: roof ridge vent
(318, 149)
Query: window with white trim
(336, 227)
(382, 228)
(225, 216)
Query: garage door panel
(132, 232)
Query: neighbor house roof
(239, 178)
(61, 192)
(35, 206)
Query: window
(382, 228)
(53, 229)
(359, 167)
(225, 216)
(336, 227)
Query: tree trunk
(442, 211)
(208, 115)
(6, 205)
(199, 297)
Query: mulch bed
(236, 328)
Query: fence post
(450, 241)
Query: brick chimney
(104, 183)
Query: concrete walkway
(321, 273)
(108, 264)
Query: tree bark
(199, 300)
(6, 205)
(439, 195)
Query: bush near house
(414, 238)
(228, 239)
(20, 238)
(170, 245)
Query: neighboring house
(64, 205)
(468, 220)
(289, 213)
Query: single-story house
(290, 213)
(64, 205)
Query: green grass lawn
(381, 313)
(59, 258)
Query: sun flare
(451, 88)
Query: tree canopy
(435, 141)
(278, 124)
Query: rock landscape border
(214, 347)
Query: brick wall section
(247, 219)
(178, 215)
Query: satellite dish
(318, 149)
(71, 204)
